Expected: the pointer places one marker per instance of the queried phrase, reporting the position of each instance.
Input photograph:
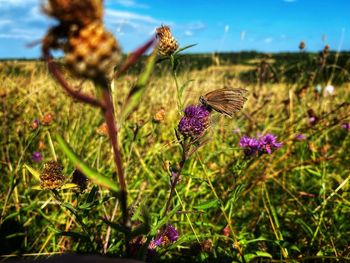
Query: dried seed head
(47, 119)
(80, 179)
(159, 116)
(302, 45)
(92, 51)
(51, 177)
(167, 43)
(75, 11)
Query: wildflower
(250, 145)
(312, 117)
(37, 157)
(168, 236)
(346, 126)
(194, 122)
(300, 137)
(329, 89)
(264, 144)
(167, 43)
(269, 143)
(35, 124)
(51, 177)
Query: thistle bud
(167, 43)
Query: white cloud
(227, 28)
(188, 33)
(268, 40)
(5, 22)
(7, 4)
(131, 3)
(114, 15)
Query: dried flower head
(167, 43)
(75, 11)
(159, 116)
(47, 119)
(102, 129)
(302, 45)
(194, 122)
(92, 52)
(51, 177)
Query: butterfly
(226, 101)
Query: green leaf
(34, 172)
(90, 173)
(135, 95)
(68, 186)
(208, 204)
(164, 220)
(184, 48)
(263, 254)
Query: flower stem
(175, 180)
(108, 113)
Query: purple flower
(250, 145)
(194, 122)
(168, 236)
(37, 157)
(268, 143)
(300, 137)
(346, 126)
(171, 233)
(264, 144)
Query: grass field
(228, 206)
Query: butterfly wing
(226, 101)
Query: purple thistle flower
(300, 137)
(195, 121)
(268, 143)
(265, 144)
(37, 157)
(250, 145)
(346, 126)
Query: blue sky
(215, 25)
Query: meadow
(287, 203)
